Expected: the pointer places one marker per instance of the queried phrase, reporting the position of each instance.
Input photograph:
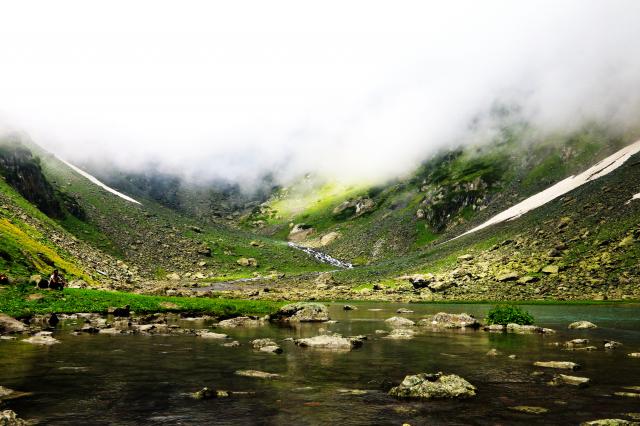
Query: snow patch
(97, 182)
(635, 197)
(602, 168)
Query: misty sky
(351, 89)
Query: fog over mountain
(353, 90)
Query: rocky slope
(161, 247)
(398, 235)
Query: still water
(128, 380)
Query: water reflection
(144, 379)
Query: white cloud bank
(354, 89)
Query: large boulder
(303, 312)
(300, 232)
(241, 322)
(327, 239)
(354, 207)
(333, 342)
(433, 386)
(419, 280)
(250, 261)
(10, 325)
(582, 325)
(446, 320)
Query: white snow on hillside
(100, 184)
(603, 168)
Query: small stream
(136, 379)
(321, 257)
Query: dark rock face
(22, 171)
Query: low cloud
(350, 90)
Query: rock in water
(612, 344)
(530, 409)
(240, 322)
(303, 312)
(563, 379)
(401, 334)
(43, 338)
(446, 320)
(266, 345)
(119, 312)
(334, 342)
(561, 365)
(9, 418)
(10, 325)
(526, 329)
(398, 322)
(210, 335)
(432, 386)
(7, 394)
(256, 374)
(206, 393)
(581, 325)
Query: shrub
(509, 314)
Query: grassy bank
(19, 301)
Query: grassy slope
(595, 262)
(24, 247)
(515, 165)
(19, 301)
(160, 240)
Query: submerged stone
(211, 335)
(256, 374)
(206, 393)
(7, 394)
(42, 338)
(561, 365)
(401, 334)
(529, 409)
(563, 379)
(399, 322)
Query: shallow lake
(134, 379)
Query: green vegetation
(21, 300)
(508, 314)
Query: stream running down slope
(322, 257)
